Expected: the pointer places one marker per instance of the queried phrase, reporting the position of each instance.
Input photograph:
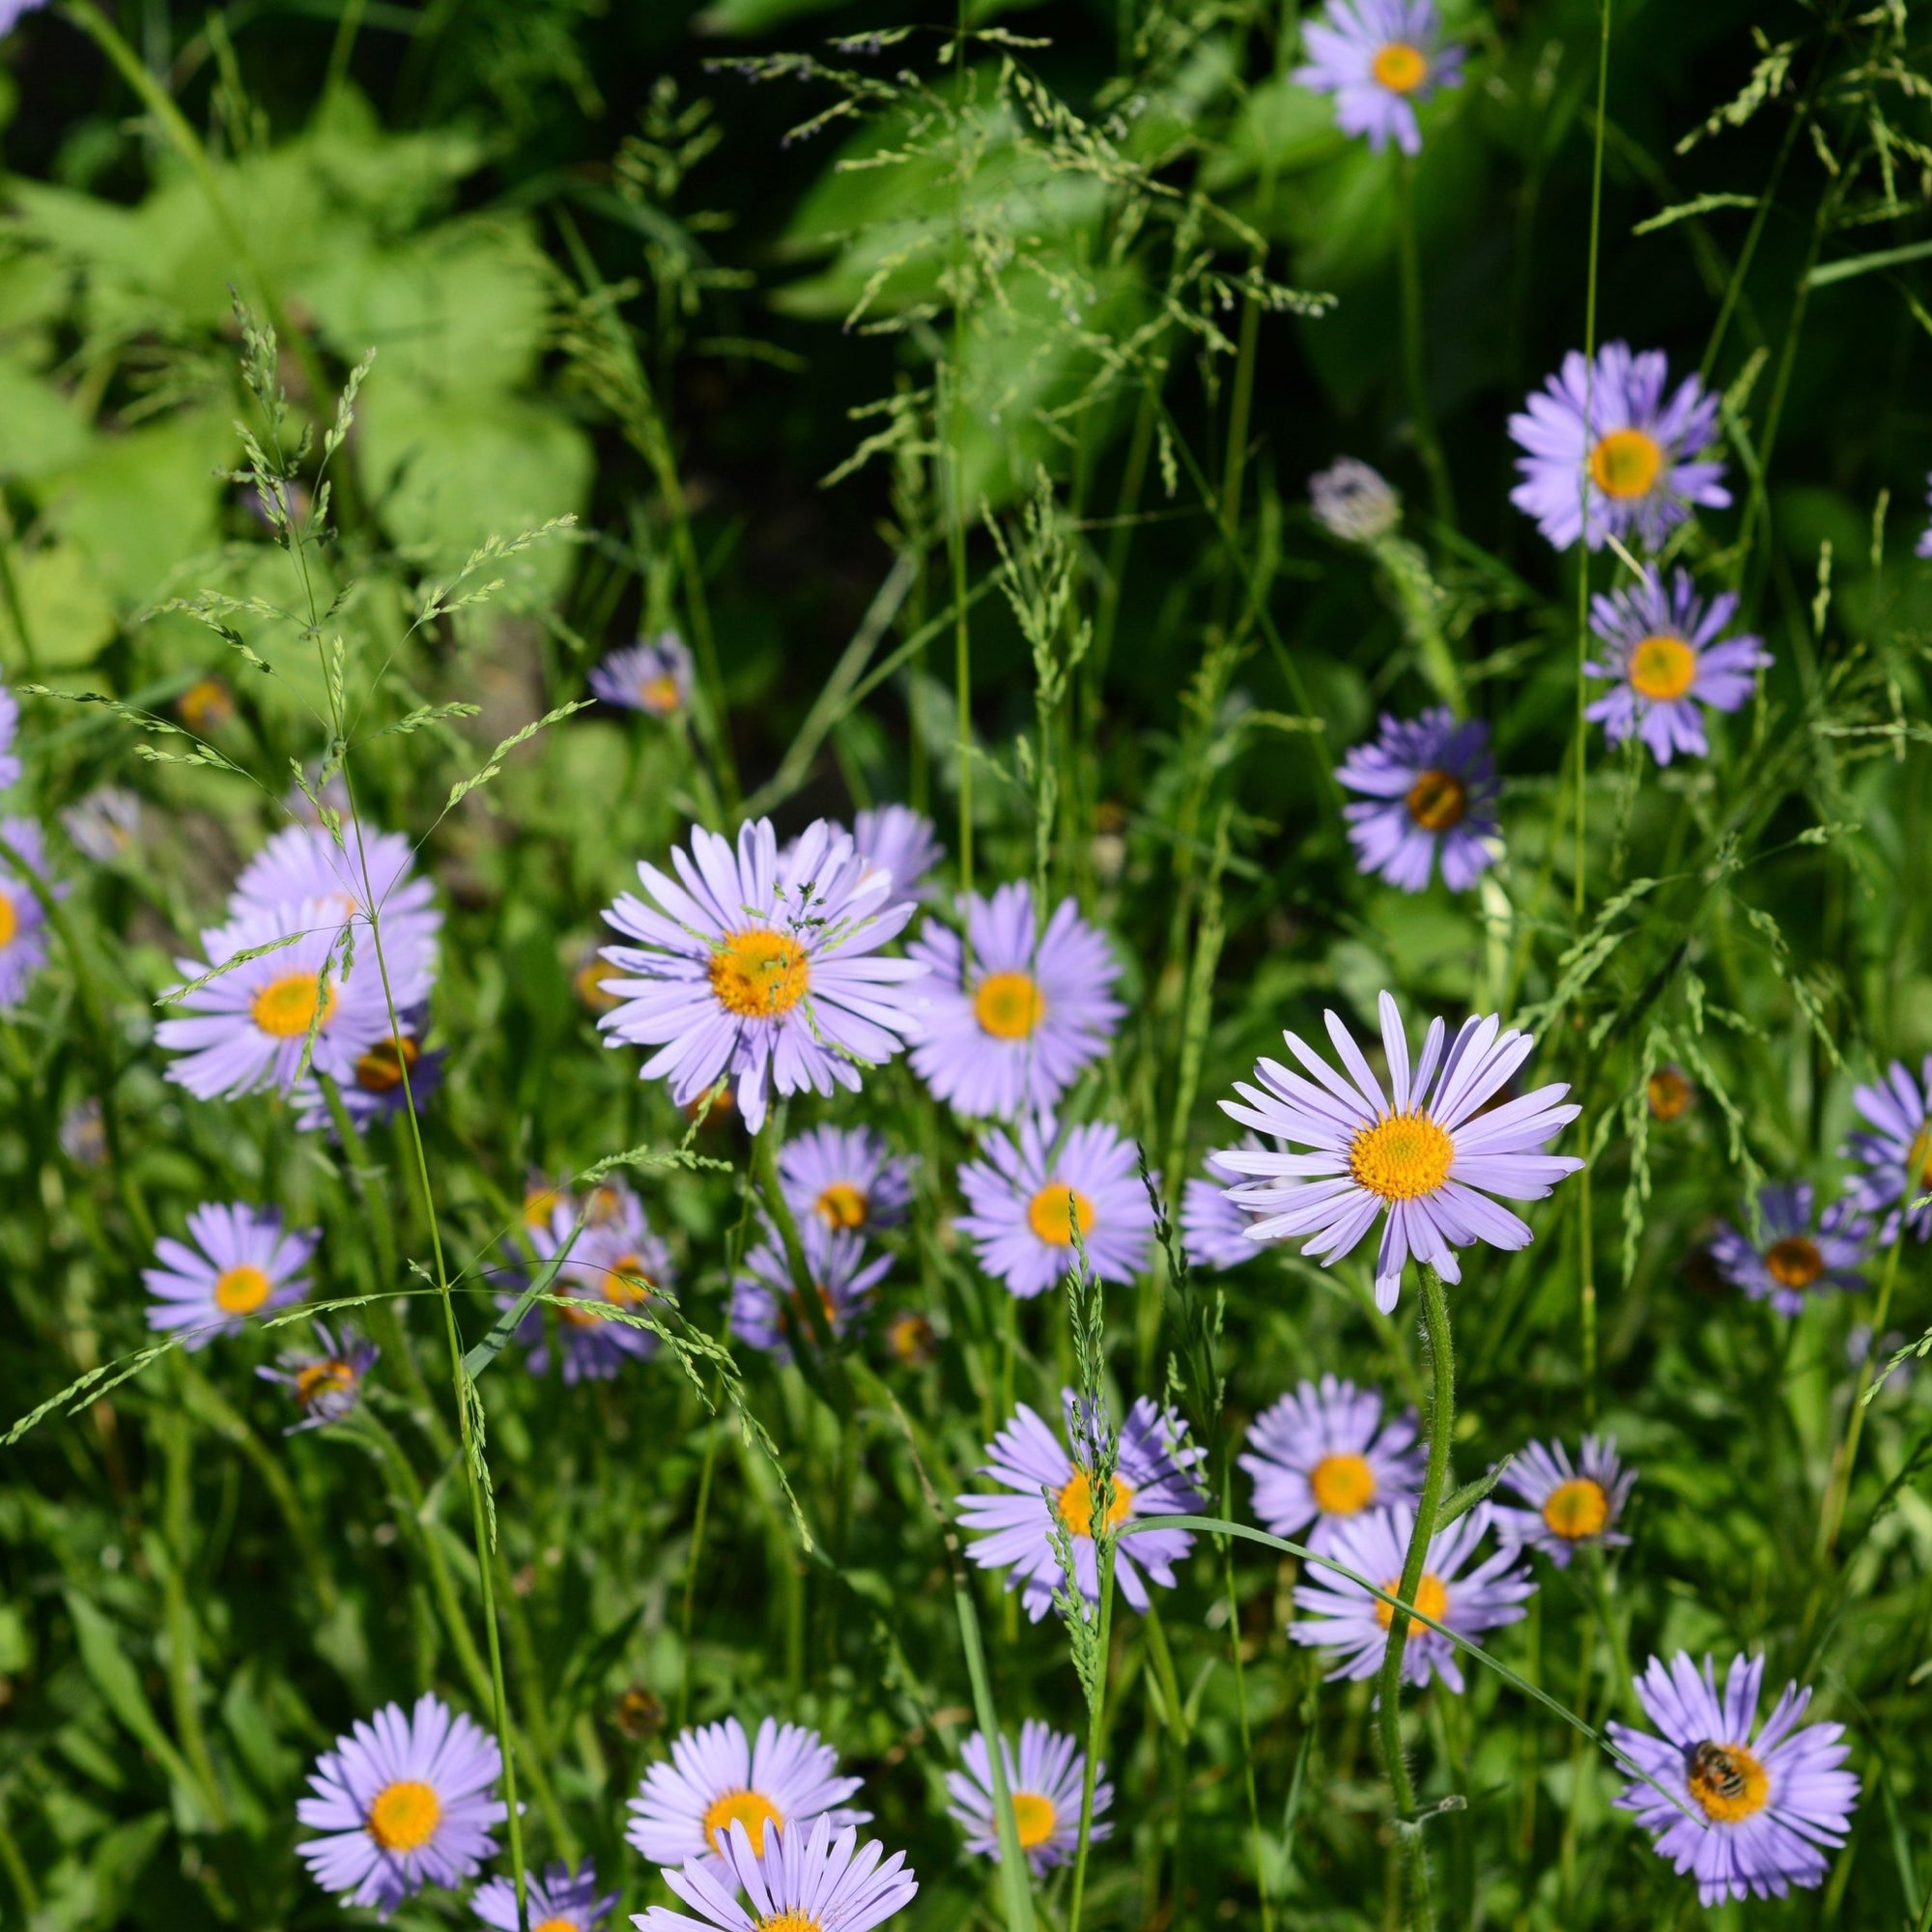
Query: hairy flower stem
(1839, 1488)
(1441, 1420)
(1421, 422)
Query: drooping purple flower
(558, 1902)
(1379, 58)
(1324, 1455)
(1895, 1158)
(1046, 1786)
(847, 1176)
(1606, 440)
(242, 1263)
(653, 677)
(1803, 1253)
(326, 1381)
(804, 1881)
(1573, 1506)
(1430, 791)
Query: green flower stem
(1247, 1739)
(1839, 1488)
(1442, 493)
(1603, 1597)
(1097, 1730)
(177, 1438)
(1434, 1481)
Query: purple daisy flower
(1772, 1802)
(1028, 1197)
(1151, 1478)
(1009, 1031)
(325, 1382)
(1324, 1454)
(23, 937)
(302, 863)
(762, 971)
(1800, 1255)
(1662, 651)
(242, 1263)
(1379, 58)
(1431, 789)
(1895, 1158)
(104, 825)
(616, 1262)
(805, 1882)
(787, 1778)
(1609, 440)
(841, 1270)
(1571, 1506)
(847, 1177)
(1046, 1787)
(558, 1902)
(1214, 1231)
(373, 1094)
(653, 677)
(405, 1801)
(9, 706)
(1341, 1616)
(896, 840)
(1423, 1151)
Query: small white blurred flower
(105, 824)
(1354, 502)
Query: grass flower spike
(1046, 1787)
(1324, 1455)
(1379, 58)
(1430, 789)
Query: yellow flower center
(1076, 1503)
(1010, 1005)
(404, 1815)
(1577, 1509)
(1437, 801)
(1402, 1156)
(380, 1069)
(557, 1925)
(1662, 668)
(1033, 1817)
(1668, 1093)
(658, 694)
(1432, 1599)
(9, 921)
(285, 1007)
(1919, 1158)
(789, 1921)
(1344, 1484)
(1627, 464)
(842, 1205)
(591, 987)
(626, 1284)
(1728, 1781)
(240, 1289)
(538, 1205)
(751, 1810)
(206, 705)
(759, 974)
(319, 1379)
(1794, 1261)
(1400, 68)
(1053, 1211)
(910, 1338)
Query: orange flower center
(206, 705)
(1402, 1156)
(590, 983)
(842, 1205)
(404, 1815)
(1400, 68)
(626, 1284)
(285, 1007)
(1662, 668)
(1034, 1818)
(1432, 1599)
(759, 974)
(9, 921)
(538, 1205)
(1794, 1261)
(1055, 1209)
(1010, 1005)
(658, 696)
(751, 1810)
(240, 1289)
(319, 1379)
(1919, 1158)
(1627, 464)
(1076, 1503)
(1577, 1509)
(1344, 1484)
(789, 1921)
(1437, 801)
(1668, 1093)
(558, 1925)
(380, 1069)
(1728, 1781)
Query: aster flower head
(1425, 1150)
(1355, 502)
(105, 824)
(1429, 795)
(23, 937)
(1379, 58)
(1894, 1156)
(9, 706)
(1764, 1808)
(1342, 1616)
(768, 972)
(1573, 1506)
(369, 870)
(896, 840)
(1606, 453)
(614, 1262)
(404, 1801)
(558, 1902)
(242, 1263)
(1803, 1252)
(1668, 663)
(1153, 1476)
(653, 677)
(1325, 1454)
(784, 1779)
(1046, 1786)
(843, 1270)
(326, 1381)
(374, 1093)
(1668, 1093)
(1026, 1197)
(847, 1177)
(1012, 1017)
(807, 1880)
(1213, 1230)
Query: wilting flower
(896, 839)
(206, 705)
(653, 677)
(1046, 1787)
(23, 938)
(910, 1340)
(1341, 1616)
(847, 1176)
(9, 706)
(1661, 648)
(558, 1902)
(1801, 1254)
(325, 1382)
(1009, 1031)
(763, 971)
(1895, 1158)
(1607, 434)
(787, 1778)
(242, 1263)
(841, 1270)
(1430, 791)
(1763, 1809)
(302, 863)
(1571, 1506)
(1151, 1478)
(1378, 58)
(374, 1092)
(83, 1133)
(616, 1262)
(805, 1882)
(104, 824)
(1354, 502)
(1324, 1454)
(1421, 1152)
(1027, 1197)
(1668, 1093)
(405, 1801)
